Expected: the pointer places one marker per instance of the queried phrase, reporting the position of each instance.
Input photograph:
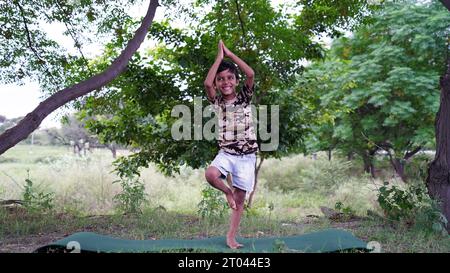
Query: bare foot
(230, 200)
(231, 243)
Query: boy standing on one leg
(237, 138)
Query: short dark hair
(224, 65)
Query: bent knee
(212, 173)
(239, 197)
(240, 203)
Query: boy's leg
(229, 181)
(239, 198)
(212, 175)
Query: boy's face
(226, 82)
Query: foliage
(331, 17)
(418, 167)
(347, 211)
(135, 109)
(279, 246)
(132, 196)
(430, 218)
(399, 203)
(36, 200)
(30, 53)
(412, 205)
(213, 205)
(378, 89)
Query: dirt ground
(29, 243)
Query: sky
(16, 101)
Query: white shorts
(241, 167)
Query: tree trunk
(250, 199)
(350, 156)
(446, 3)
(368, 163)
(399, 167)
(438, 180)
(113, 150)
(33, 119)
(399, 164)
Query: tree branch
(74, 38)
(258, 167)
(241, 23)
(408, 155)
(42, 62)
(32, 120)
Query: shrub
(347, 211)
(35, 199)
(417, 168)
(212, 205)
(132, 196)
(412, 205)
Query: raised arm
(209, 82)
(249, 73)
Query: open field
(288, 200)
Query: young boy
(237, 139)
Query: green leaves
(331, 17)
(381, 85)
(212, 206)
(135, 109)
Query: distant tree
(8, 123)
(73, 130)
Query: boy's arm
(250, 74)
(209, 82)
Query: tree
(141, 99)
(32, 120)
(438, 179)
(381, 83)
(74, 129)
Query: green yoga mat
(331, 240)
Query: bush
(132, 196)
(35, 199)
(400, 203)
(346, 211)
(430, 219)
(212, 205)
(412, 205)
(417, 168)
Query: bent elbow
(207, 84)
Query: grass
(288, 200)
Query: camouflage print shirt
(236, 133)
